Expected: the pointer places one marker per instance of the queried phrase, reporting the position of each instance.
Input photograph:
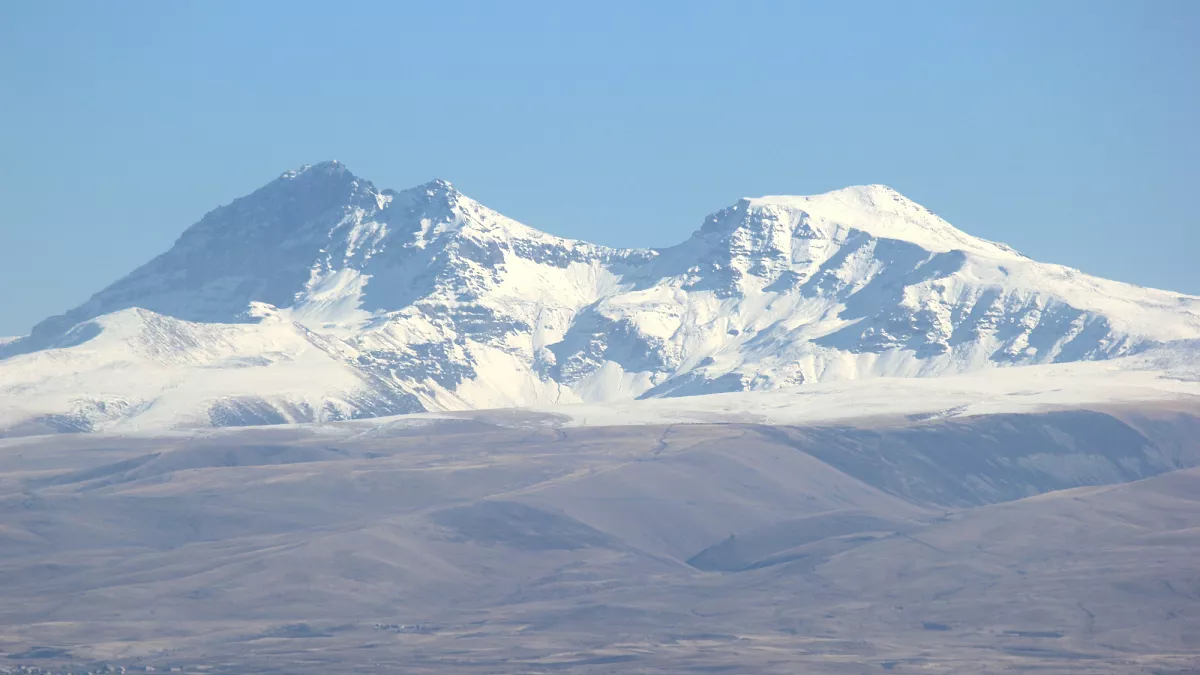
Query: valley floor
(1056, 542)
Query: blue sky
(1067, 129)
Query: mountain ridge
(425, 299)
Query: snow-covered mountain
(322, 297)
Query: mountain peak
(880, 197)
(307, 191)
(438, 184)
(330, 167)
(880, 211)
(437, 189)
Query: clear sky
(1067, 129)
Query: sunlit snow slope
(320, 297)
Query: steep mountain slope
(321, 297)
(862, 282)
